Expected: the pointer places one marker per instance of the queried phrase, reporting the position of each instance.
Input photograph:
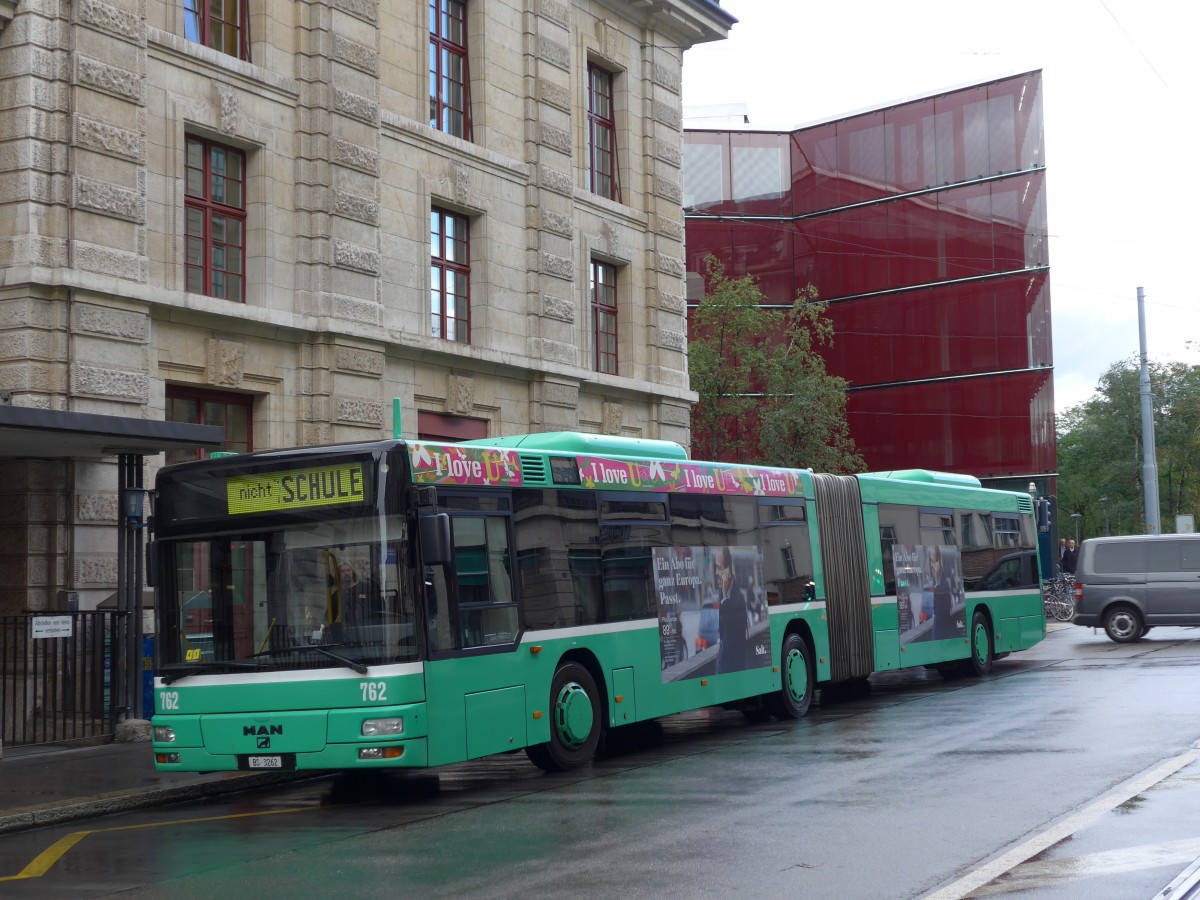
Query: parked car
(1129, 584)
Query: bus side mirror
(151, 562)
(436, 544)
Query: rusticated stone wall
(342, 168)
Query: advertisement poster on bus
(929, 592)
(712, 610)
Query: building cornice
(688, 22)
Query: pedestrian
(1069, 558)
(356, 595)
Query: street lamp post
(1104, 506)
(1076, 517)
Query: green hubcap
(797, 675)
(573, 715)
(981, 643)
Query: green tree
(765, 395)
(1100, 450)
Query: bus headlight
(379, 727)
(164, 734)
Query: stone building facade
(303, 286)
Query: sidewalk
(49, 786)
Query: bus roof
(928, 477)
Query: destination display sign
(296, 489)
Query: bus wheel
(979, 663)
(575, 721)
(796, 693)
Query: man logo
(263, 743)
(250, 730)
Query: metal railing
(61, 676)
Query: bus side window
(558, 560)
(631, 526)
(787, 558)
(487, 609)
(898, 525)
(887, 540)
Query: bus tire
(979, 663)
(796, 670)
(575, 721)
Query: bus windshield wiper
(326, 649)
(175, 671)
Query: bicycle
(1058, 597)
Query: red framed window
(216, 220)
(602, 135)
(233, 412)
(432, 426)
(220, 24)
(449, 81)
(450, 276)
(604, 313)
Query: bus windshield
(313, 594)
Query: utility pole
(1149, 458)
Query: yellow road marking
(48, 857)
(45, 860)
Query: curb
(24, 819)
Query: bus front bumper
(410, 753)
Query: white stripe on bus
(973, 595)
(292, 675)
(555, 634)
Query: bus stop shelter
(43, 434)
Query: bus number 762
(374, 691)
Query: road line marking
(44, 861)
(986, 873)
(1058, 871)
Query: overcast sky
(1121, 97)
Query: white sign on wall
(1185, 524)
(52, 627)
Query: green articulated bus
(408, 603)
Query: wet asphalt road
(1071, 772)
